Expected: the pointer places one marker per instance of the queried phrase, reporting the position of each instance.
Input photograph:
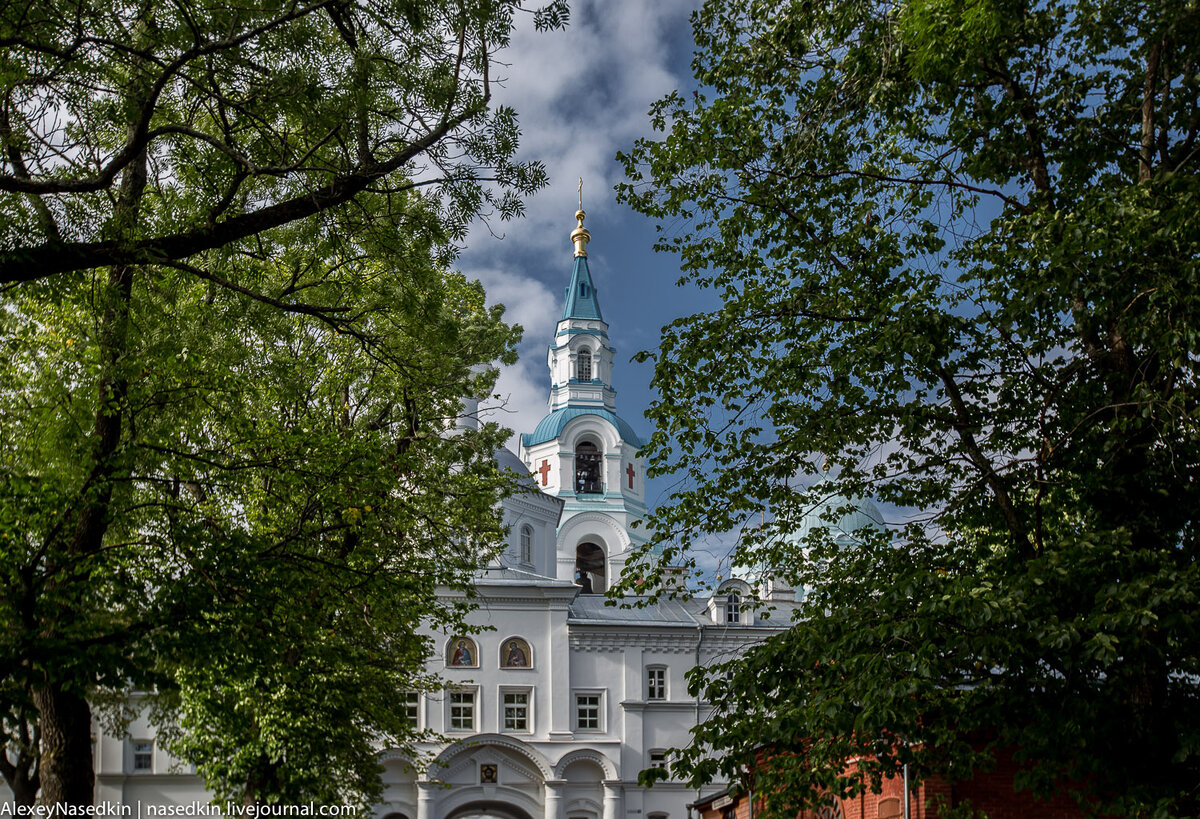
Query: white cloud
(527, 300)
(522, 388)
(582, 95)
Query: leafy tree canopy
(232, 351)
(956, 247)
(236, 118)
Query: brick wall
(990, 792)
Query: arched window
(733, 607)
(833, 811)
(589, 568)
(587, 469)
(585, 365)
(527, 544)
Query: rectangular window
(658, 759)
(516, 710)
(462, 710)
(143, 755)
(410, 706)
(587, 712)
(656, 683)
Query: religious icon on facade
(488, 774)
(515, 653)
(462, 652)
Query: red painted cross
(629, 472)
(545, 470)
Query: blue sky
(582, 95)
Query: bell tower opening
(585, 365)
(589, 568)
(587, 469)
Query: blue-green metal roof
(841, 518)
(552, 425)
(576, 331)
(580, 295)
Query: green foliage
(245, 118)
(956, 246)
(316, 556)
(232, 351)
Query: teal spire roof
(581, 302)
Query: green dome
(842, 517)
(552, 426)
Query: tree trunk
(24, 791)
(63, 713)
(21, 776)
(66, 760)
(21, 773)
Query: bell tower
(580, 358)
(582, 451)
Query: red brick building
(991, 793)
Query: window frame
(656, 689)
(461, 691)
(733, 607)
(600, 708)
(512, 690)
(141, 749)
(411, 701)
(525, 544)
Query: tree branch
(51, 258)
(140, 134)
(962, 426)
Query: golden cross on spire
(580, 235)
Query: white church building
(552, 711)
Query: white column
(612, 799)
(553, 806)
(425, 800)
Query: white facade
(554, 709)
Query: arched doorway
(486, 776)
(583, 792)
(488, 809)
(590, 568)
